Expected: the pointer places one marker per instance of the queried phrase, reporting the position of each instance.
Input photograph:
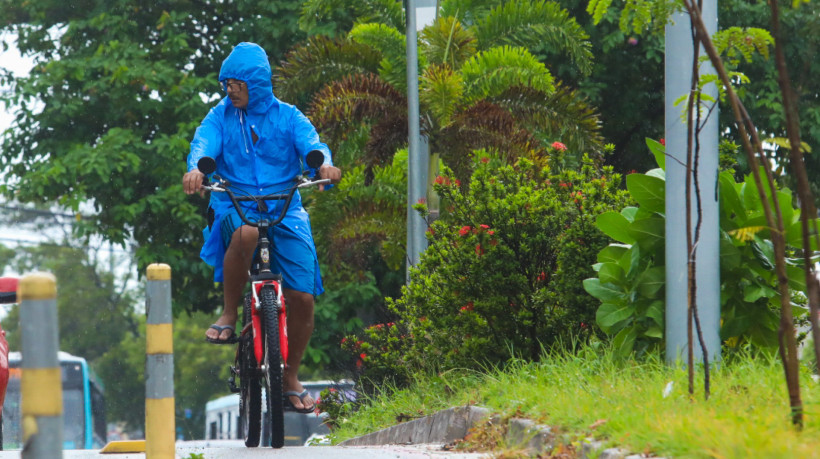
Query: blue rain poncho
(285, 136)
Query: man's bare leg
(300, 327)
(235, 268)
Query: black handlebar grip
(314, 159)
(206, 165)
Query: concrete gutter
(454, 424)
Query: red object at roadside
(8, 289)
(8, 294)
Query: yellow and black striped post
(41, 385)
(160, 429)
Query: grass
(623, 403)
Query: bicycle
(263, 340)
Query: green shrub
(631, 274)
(503, 272)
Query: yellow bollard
(160, 430)
(41, 387)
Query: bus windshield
(77, 405)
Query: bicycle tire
(273, 366)
(250, 389)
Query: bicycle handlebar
(207, 166)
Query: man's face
(238, 92)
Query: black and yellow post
(160, 430)
(41, 385)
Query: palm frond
(467, 11)
(562, 115)
(533, 24)
(484, 125)
(440, 92)
(307, 68)
(363, 99)
(326, 17)
(392, 45)
(491, 72)
(390, 12)
(446, 41)
(334, 17)
(355, 218)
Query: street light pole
(418, 156)
(678, 80)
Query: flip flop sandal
(232, 339)
(288, 405)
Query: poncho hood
(248, 62)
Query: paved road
(226, 449)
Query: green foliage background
(109, 108)
(631, 272)
(502, 275)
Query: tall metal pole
(418, 156)
(679, 54)
(41, 387)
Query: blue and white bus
(83, 405)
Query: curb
(445, 426)
(453, 424)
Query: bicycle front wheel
(250, 389)
(272, 368)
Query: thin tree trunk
(788, 346)
(808, 212)
(692, 239)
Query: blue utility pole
(679, 54)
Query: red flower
(458, 182)
(479, 250)
(485, 160)
(485, 226)
(467, 307)
(491, 232)
(422, 201)
(663, 142)
(559, 146)
(362, 356)
(439, 180)
(464, 230)
(542, 277)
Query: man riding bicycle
(259, 144)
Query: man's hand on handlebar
(327, 171)
(192, 182)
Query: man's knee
(244, 238)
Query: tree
(94, 309)
(106, 115)
(200, 374)
(480, 87)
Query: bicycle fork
(256, 317)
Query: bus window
(73, 419)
